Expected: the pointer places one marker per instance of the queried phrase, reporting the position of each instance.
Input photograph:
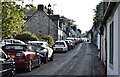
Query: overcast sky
(79, 10)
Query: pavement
(99, 68)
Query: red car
(24, 55)
(70, 44)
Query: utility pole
(49, 12)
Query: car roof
(60, 41)
(37, 42)
(16, 44)
(14, 40)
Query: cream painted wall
(119, 41)
(114, 69)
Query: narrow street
(81, 61)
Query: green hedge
(27, 36)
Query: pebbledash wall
(119, 42)
(39, 23)
(114, 69)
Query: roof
(60, 41)
(110, 9)
(16, 44)
(37, 42)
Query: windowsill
(111, 66)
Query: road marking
(73, 63)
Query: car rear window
(36, 44)
(14, 48)
(59, 44)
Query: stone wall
(39, 23)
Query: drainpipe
(100, 47)
(106, 51)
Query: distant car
(24, 55)
(44, 49)
(7, 65)
(72, 39)
(60, 46)
(70, 44)
(11, 41)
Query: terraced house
(43, 24)
(111, 36)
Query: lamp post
(49, 12)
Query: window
(13, 48)
(2, 55)
(111, 45)
(61, 44)
(36, 44)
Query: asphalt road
(78, 61)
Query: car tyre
(39, 62)
(30, 66)
(13, 71)
(51, 58)
(46, 59)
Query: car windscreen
(13, 47)
(0, 54)
(36, 44)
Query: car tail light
(20, 54)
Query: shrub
(27, 36)
(50, 38)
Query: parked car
(60, 46)
(24, 55)
(70, 44)
(44, 49)
(72, 39)
(11, 41)
(7, 65)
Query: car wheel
(39, 62)
(46, 58)
(51, 58)
(13, 71)
(30, 66)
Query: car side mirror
(37, 54)
(8, 57)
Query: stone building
(41, 25)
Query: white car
(11, 41)
(44, 49)
(60, 46)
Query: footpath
(99, 68)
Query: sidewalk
(99, 68)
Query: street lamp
(49, 12)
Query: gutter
(112, 6)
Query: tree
(68, 21)
(12, 19)
(50, 38)
(98, 13)
(0, 20)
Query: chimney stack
(41, 7)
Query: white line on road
(76, 51)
